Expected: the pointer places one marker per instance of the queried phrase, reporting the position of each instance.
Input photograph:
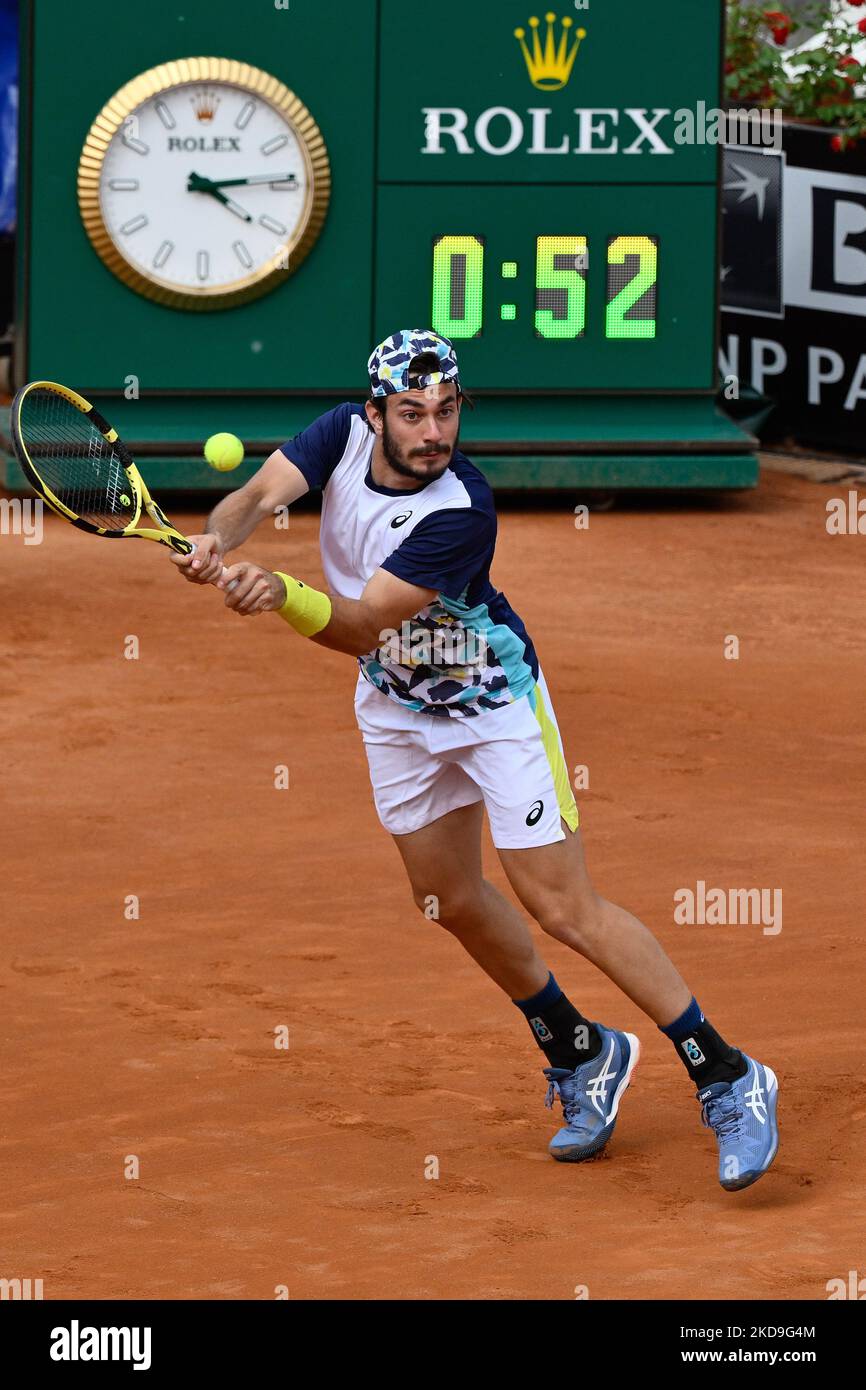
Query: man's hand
(278, 483)
(252, 589)
(205, 563)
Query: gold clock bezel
(288, 256)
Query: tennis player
(456, 718)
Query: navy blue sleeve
(445, 551)
(318, 449)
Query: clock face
(210, 188)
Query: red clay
(259, 908)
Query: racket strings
(76, 462)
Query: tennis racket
(81, 467)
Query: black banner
(794, 284)
(239, 1339)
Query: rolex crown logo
(204, 104)
(550, 67)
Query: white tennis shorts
(422, 766)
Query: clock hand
(197, 184)
(253, 179)
(232, 206)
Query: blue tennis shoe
(590, 1096)
(742, 1115)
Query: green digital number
(631, 289)
(458, 286)
(560, 287)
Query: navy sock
(566, 1038)
(705, 1056)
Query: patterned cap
(389, 362)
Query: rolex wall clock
(203, 183)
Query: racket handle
(225, 571)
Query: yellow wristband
(306, 610)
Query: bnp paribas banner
(603, 91)
(793, 273)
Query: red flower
(729, 66)
(862, 26)
(780, 23)
(855, 2)
(849, 62)
(836, 143)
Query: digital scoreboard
(239, 203)
(561, 263)
(542, 299)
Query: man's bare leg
(443, 861)
(552, 883)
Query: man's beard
(407, 466)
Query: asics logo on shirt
(400, 520)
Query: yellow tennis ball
(224, 452)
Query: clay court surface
(260, 908)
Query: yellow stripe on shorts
(550, 739)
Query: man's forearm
(235, 518)
(353, 627)
(348, 625)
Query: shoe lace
(722, 1114)
(570, 1105)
